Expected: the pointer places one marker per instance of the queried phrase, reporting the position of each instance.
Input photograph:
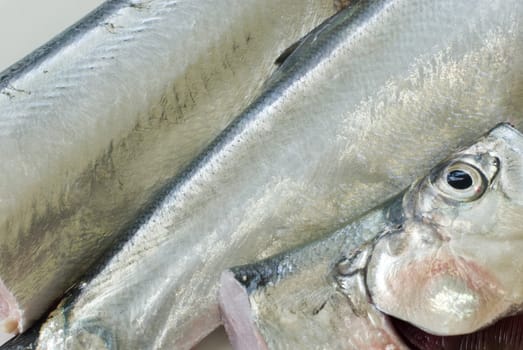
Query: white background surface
(27, 24)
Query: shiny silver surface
(442, 256)
(95, 124)
(368, 103)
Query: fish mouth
(504, 334)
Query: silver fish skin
(367, 103)
(94, 124)
(443, 256)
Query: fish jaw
(450, 270)
(441, 294)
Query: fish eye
(461, 181)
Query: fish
(442, 256)
(366, 103)
(95, 124)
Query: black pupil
(459, 179)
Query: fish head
(452, 265)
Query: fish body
(94, 125)
(443, 256)
(367, 102)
